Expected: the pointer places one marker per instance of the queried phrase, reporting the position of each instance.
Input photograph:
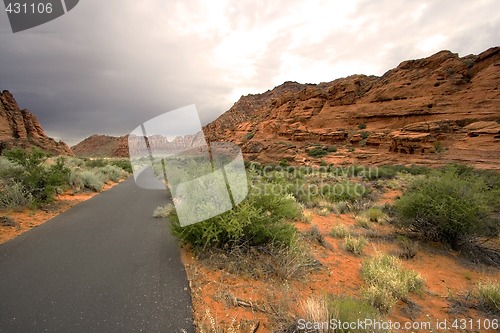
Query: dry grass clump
(489, 296)
(355, 244)
(388, 281)
(339, 231)
(163, 211)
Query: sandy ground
(229, 299)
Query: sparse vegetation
(489, 296)
(355, 244)
(339, 231)
(362, 221)
(249, 136)
(438, 146)
(388, 281)
(408, 248)
(322, 311)
(362, 126)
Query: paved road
(106, 265)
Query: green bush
(40, 181)
(448, 206)
(249, 136)
(316, 152)
(438, 146)
(362, 126)
(331, 149)
(375, 214)
(111, 172)
(124, 164)
(262, 218)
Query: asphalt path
(105, 265)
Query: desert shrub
(355, 244)
(489, 296)
(8, 169)
(365, 135)
(88, 180)
(316, 152)
(284, 162)
(447, 206)
(40, 181)
(267, 261)
(339, 231)
(307, 217)
(14, 195)
(262, 218)
(408, 248)
(315, 234)
(249, 136)
(341, 207)
(74, 162)
(331, 149)
(375, 214)
(362, 221)
(362, 126)
(438, 146)
(111, 172)
(96, 162)
(388, 281)
(163, 211)
(123, 164)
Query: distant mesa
(21, 128)
(435, 110)
(432, 111)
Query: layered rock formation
(20, 128)
(435, 110)
(112, 146)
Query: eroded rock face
(20, 128)
(443, 100)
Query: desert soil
(231, 299)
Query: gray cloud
(107, 66)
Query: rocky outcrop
(20, 128)
(102, 146)
(113, 146)
(434, 110)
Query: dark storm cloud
(107, 66)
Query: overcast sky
(109, 65)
